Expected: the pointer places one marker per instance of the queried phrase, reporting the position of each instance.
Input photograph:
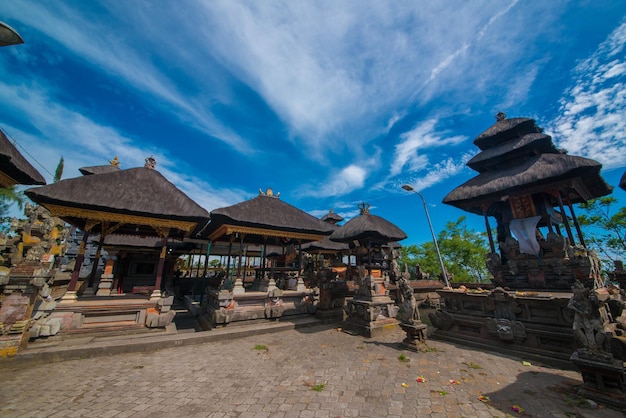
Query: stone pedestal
(416, 335)
(603, 376)
(105, 285)
(238, 288)
(155, 295)
(69, 297)
(371, 312)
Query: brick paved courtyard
(275, 375)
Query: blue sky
(330, 103)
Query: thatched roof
(138, 192)
(505, 129)
(332, 217)
(98, 169)
(325, 246)
(622, 182)
(14, 169)
(368, 228)
(512, 151)
(536, 174)
(266, 216)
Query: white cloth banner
(524, 231)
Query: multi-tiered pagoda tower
(529, 186)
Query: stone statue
(408, 312)
(394, 270)
(588, 325)
(421, 274)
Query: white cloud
(591, 122)
(346, 180)
(86, 143)
(440, 172)
(105, 45)
(422, 137)
(326, 67)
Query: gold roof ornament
(115, 162)
(500, 116)
(150, 162)
(269, 192)
(364, 208)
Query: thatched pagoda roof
(266, 216)
(512, 150)
(539, 173)
(137, 200)
(505, 129)
(368, 228)
(622, 182)
(14, 168)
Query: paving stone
(230, 379)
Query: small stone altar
(371, 312)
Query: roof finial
(364, 208)
(269, 192)
(150, 162)
(500, 116)
(115, 162)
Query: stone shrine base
(534, 325)
(370, 318)
(224, 307)
(603, 377)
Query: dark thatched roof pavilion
(137, 201)
(14, 168)
(367, 229)
(263, 217)
(332, 217)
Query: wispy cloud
(86, 143)
(104, 45)
(441, 171)
(422, 137)
(592, 122)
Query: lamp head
(408, 188)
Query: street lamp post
(409, 188)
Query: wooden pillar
(96, 261)
(240, 255)
(565, 220)
(164, 234)
(70, 295)
(489, 234)
(230, 249)
(105, 230)
(576, 224)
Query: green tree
(463, 252)
(10, 196)
(59, 171)
(604, 228)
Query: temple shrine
(538, 252)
